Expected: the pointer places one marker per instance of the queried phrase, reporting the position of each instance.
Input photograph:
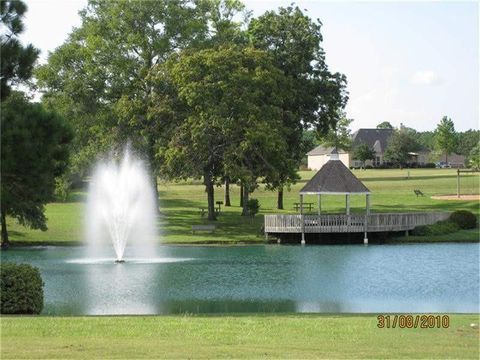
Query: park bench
(210, 228)
(418, 192)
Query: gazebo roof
(334, 178)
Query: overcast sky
(405, 62)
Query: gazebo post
(319, 205)
(347, 203)
(367, 213)
(302, 219)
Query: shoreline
(411, 239)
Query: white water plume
(121, 206)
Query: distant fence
(350, 223)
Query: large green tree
(446, 137)
(17, 60)
(232, 105)
(400, 144)
(99, 78)
(294, 42)
(34, 152)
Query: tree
(363, 153)
(99, 78)
(446, 137)
(474, 157)
(34, 152)
(17, 61)
(426, 139)
(339, 135)
(231, 126)
(316, 95)
(400, 144)
(467, 140)
(385, 125)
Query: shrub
(21, 289)
(62, 188)
(440, 228)
(464, 219)
(430, 166)
(368, 167)
(253, 206)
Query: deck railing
(350, 223)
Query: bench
(210, 228)
(418, 192)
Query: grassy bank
(459, 236)
(252, 336)
(392, 191)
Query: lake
(265, 278)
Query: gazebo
(334, 178)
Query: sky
(408, 63)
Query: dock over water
(353, 223)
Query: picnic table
(305, 206)
(204, 210)
(219, 206)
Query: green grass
(459, 236)
(251, 336)
(180, 203)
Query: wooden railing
(350, 223)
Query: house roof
(374, 138)
(334, 178)
(322, 150)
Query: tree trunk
(5, 242)
(241, 195)
(155, 192)
(280, 199)
(226, 199)
(211, 198)
(245, 201)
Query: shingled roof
(334, 178)
(374, 138)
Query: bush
(21, 289)
(368, 167)
(253, 206)
(464, 219)
(440, 228)
(430, 166)
(62, 188)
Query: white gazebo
(334, 178)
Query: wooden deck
(350, 223)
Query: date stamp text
(413, 321)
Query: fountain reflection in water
(121, 208)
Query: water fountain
(121, 206)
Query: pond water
(264, 278)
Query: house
(374, 138)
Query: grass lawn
(391, 190)
(250, 336)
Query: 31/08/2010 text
(413, 321)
